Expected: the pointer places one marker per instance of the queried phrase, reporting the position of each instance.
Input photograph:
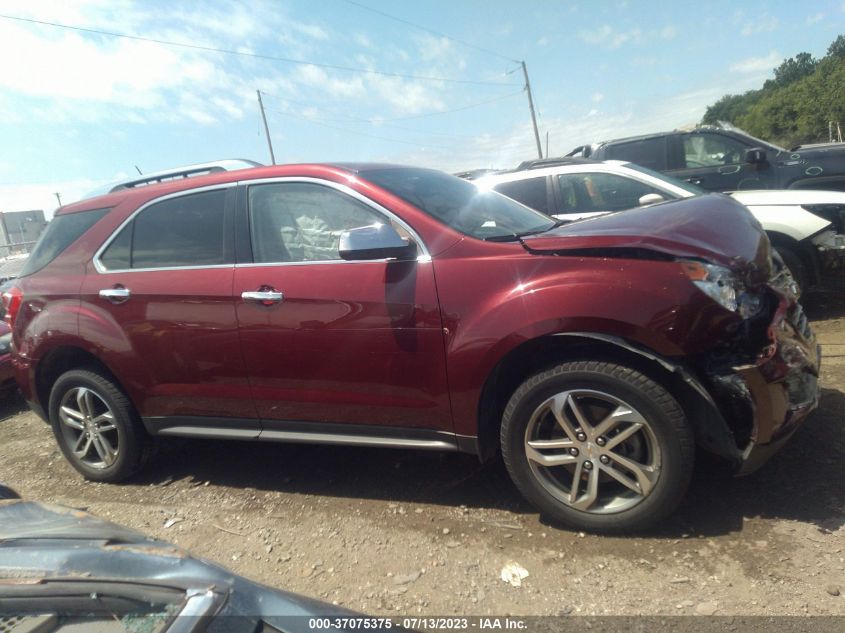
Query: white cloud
(813, 19)
(758, 64)
(543, 41)
(669, 32)
(433, 48)
(62, 74)
(362, 40)
(763, 23)
(318, 78)
(597, 97)
(25, 197)
(606, 35)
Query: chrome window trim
(423, 257)
(98, 265)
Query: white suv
(807, 227)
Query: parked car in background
(807, 227)
(724, 158)
(62, 569)
(379, 305)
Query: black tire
(132, 446)
(8, 493)
(665, 430)
(796, 267)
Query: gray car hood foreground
(42, 543)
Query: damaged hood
(713, 227)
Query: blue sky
(79, 109)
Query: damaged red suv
(377, 305)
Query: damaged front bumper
(766, 400)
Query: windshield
(686, 186)
(732, 128)
(482, 214)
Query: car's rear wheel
(598, 446)
(97, 427)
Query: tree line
(794, 107)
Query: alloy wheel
(592, 451)
(88, 426)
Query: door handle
(265, 297)
(694, 180)
(118, 294)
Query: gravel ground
(394, 532)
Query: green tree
(837, 49)
(730, 107)
(794, 69)
(794, 107)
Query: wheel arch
(712, 432)
(804, 249)
(63, 359)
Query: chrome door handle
(116, 295)
(267, 297)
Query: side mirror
(377, 241)
(755, 156)
(650, 198)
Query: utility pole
(547, 143)
(266, 129)
(58, 197)
(531, 106)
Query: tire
(85, 404)
(7, 493)
(796, 268)
(649, 444)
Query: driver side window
(708, 150)
(302, 222)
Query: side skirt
(310, 433)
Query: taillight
(12, 300)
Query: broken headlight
(723, 286)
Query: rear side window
(598, 191)
(650, 152)
(184, 231)
(62, 231)
(530, 192)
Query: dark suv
(727, 159)
(378, 305)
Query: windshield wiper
(509, 237)
(556, 224)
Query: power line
(377, 120)
(466, 107)
(225, 51)
(432, 31)
(353, 121)
(348, 131)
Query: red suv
(378, 305)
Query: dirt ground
(405, 533)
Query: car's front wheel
(796, 267)
(598, 446)
(97, 427)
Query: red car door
(159, 301)
(332, 341)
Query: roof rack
(539, 163)
(188, 171)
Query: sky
(430, 82)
